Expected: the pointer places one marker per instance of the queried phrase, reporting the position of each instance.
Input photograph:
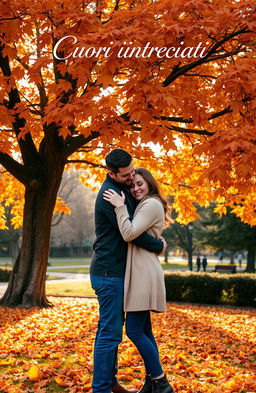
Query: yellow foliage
(61, 207)
(34, 373)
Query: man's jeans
(110, 293)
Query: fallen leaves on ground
(203, 349)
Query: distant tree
(226, 232)
(78, 226)
(182, 236)
(229, 233)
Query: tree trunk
(232, 259)
(27, 282)
(250, 267)
(166, 254)
(190, 248)
(190, 259)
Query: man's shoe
(117, 388)
(147, 387)
(161, 385)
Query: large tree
(69, 100)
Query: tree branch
(72, 144)
(220, 113)
(41, 87)
(189, 131)
(11, 18)
(27, 147)
(14, 167)
(57, 219)
(86, 162)
(116, 5)
(176, 119)
(178, 71)
(201, 75)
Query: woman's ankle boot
(147, 387)
(161, 385)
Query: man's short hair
(118, 158)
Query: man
(204, 263)
(198, 263)
(108, 270)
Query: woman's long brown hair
(154, 189)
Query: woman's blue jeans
(139, 331)
(110, 293)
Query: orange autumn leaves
(200, 114)
(203, 349)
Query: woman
(144, 279)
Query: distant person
(204, 263)
(221, 258)
(240, 260)
(198, 263)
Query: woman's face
(139, 187)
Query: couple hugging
(125, 272)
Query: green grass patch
(72, 288)
(174, 265)
(49, 278)
(78, 270)
(69, 261)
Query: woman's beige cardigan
(144, 279)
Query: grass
(69, 261)
(78, 270)
(73, 288)
(85, 270)
(174, 265)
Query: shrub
(211, 288)
(241, 289)
(174, 283)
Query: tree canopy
(68, 92)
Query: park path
(65, 277)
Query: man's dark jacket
(110, 250)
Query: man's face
(124, 175)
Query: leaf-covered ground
(203, 349)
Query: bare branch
(57, 220)
(86, 162)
